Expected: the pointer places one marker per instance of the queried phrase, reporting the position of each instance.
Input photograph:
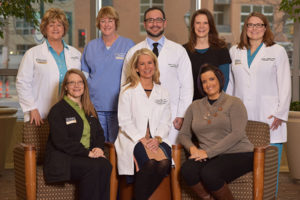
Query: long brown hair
(86, 102)
(268, 37)
(213, 35)
(133, 77)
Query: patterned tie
(155, 49)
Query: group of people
(148, 96)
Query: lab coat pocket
(74, 61)
(41, 67)
(268, 108)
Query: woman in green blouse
(75, 145)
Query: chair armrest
(113, 178)
(258, 173)
(175, 184)
(265, 166)
(25, 167)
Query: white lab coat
(175, 75)
(135, 110)
(37, 81)
(265, 87)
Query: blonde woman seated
(142, 145)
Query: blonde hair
(133, 77)
(87, 104)
(51, 15)
(110, 12)
(268, 37)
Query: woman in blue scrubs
(102, 63)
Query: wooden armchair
(257, 185)
(28, 164)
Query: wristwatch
(159, 139)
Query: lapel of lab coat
(255, 63)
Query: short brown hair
(51, 15)
(268, 37)
(87, 104)
(205, 68)
(110, 12)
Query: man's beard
(155, 35)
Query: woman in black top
(205, 47)
(74, 149)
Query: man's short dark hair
(154, 8)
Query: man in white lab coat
(174, 65)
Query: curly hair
(51, 15)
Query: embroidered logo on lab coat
(70, 120)
(75, 58)
(41, 61)
(268, 59)
(237, 62)
(161, 101)
(173, 65)
(120, 56)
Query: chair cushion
(242, 187)
(58, 191)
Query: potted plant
(293, 139)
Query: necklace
(148, 90)
(212, 111)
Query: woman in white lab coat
(260, 77)
(144, 114)
(43, 68)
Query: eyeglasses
(73, 83)
(109, 20)
(250, 25)
(157, 20)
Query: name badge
(120, 56)
(237, 62)
(71, 120)
(75, 58)
(41, 61)
(173, 65)
(161, 101)
(268, 59)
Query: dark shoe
(223, 193)
(201, 192)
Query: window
(144, 5)
(222, 16)
(22, 48)
(23, 27)
(267, 10)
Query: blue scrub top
(104, 67)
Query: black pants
(93, 175)
(214, 172)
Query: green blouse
(85, 139)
